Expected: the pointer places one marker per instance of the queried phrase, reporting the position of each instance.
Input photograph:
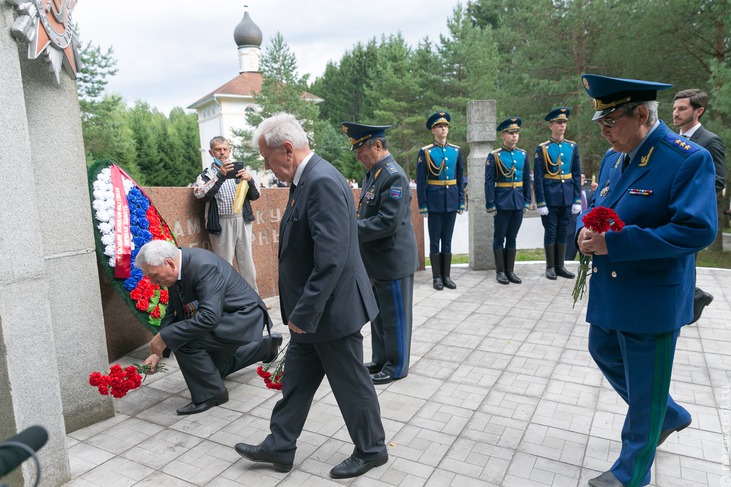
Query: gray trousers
(235, 242)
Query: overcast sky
(171, 53)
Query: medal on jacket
(605, 190)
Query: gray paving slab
(501, 392)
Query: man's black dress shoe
(354, 466)
(607, 479)
(664, 434)
(256, 454)
(382, 378)
(274, 347)
(700, 301)
(373, 368)
(194, 408)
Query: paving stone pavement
(501, 392)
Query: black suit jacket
(323, 286)
(713, 143)
(227, 307)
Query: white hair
(154, 253)
(278, 129)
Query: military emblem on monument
(46, 26)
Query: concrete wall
(481, 136)
(51, 327)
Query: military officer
(557, 186)
(388, 249)
(662, 186)
(507, 196)
(440, 193)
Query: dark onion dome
(247, 33)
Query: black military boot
(510, 266)
(551, 261)
(500, 267)
(447, 270)
(436, 271)
(560, 256)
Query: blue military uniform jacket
(557, 174)
(507, 180)
(439, 179)
(385, 231)
(667, 201)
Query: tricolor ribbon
(122, 235)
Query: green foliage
(156, 150)
(97, 66)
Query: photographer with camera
(228, 189)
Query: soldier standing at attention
(440, 193)
(557, 185)
(507, 196)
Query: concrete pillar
(481, 137)
(51, 324)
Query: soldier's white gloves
(543, 210)
(575, 209)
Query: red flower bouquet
(119, 381)
(273, 380)
(598, 220)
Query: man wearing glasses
(642, 280)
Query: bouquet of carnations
(598, 220)
(273, 380)
(119, 381)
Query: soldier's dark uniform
(507, 195)
(557, 186)
(388, 249)
(440, 193)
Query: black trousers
(205, 362)
(341, 360)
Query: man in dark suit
(214, 321)
(688, 108)
(325, 299)
(641, 293)
(388, 247)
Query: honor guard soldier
(661, 186)
(507, 196)
(557, 185)
(388, 249)
(440, 193)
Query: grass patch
(706, 258)
(713, 258)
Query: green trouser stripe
(660, 389)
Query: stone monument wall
(51, 323)
(481, 136)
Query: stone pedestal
(51, 326)
(481, 137)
